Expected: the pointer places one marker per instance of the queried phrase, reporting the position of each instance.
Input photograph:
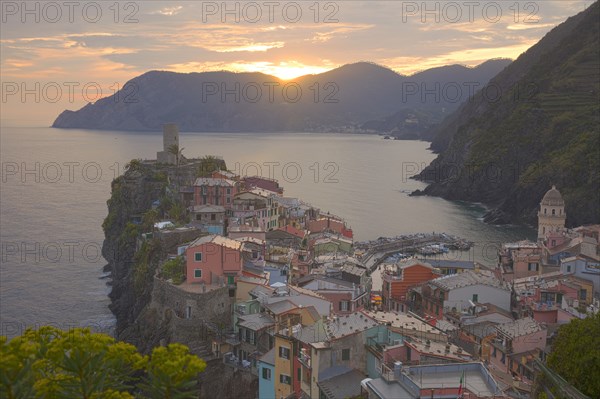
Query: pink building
(214, 259)
(263, 183)
(520, 259)
(329, 224)
(244, 230)
(211, 191)
(513, 338)
(345, 296)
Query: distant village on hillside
(300, 310)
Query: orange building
(398, 278)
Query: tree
(177, 212)
(134, 165)
(576, 354)
(53, 363)
(171, 373)
(209, 164)
(178, 152)
(149, 219)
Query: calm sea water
(55, 184)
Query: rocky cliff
(149, 309)
(534, 125)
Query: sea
(55, 184)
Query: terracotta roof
(294, 231)
(217, 240)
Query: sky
(62, 54)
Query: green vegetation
(144, 267)
(115, 198)
(576, 354)
(130, 233)
(149, 219)
(134, 165)
(541, 131)
(209, 164)
(51, 363)
(173, 269)
(178, 152)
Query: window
(532, 267)
(568, 268)
(250, 337)
(299, 373)
(285, 379)
(228, 200)
(284, 353)
(228, 190)
(475, 297)
(198, 256)
(213, 216)
(345, 354)
(582, 294)
(266, 374)
(197, 273)
(553, 212)
(545, 211)
(343, 306)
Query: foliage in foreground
(52, 363)
(576, 354)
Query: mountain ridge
(337, 100)
(542, 132)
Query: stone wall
(214, 306)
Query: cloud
(470, 57)
(168, 11)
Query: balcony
(304, 359)
(387, 373)
(231, 360)
(375, 347)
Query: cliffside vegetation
(534, 125)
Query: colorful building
(266, 375)
(513, 338)
(399, 277)
(214, 259)
(212, 191)
(459, 292)
(520, 259)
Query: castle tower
(170, 137)
(551, 216)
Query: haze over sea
(55, 184)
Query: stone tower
(170, 137)
(551, 216)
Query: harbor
(373, 253)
